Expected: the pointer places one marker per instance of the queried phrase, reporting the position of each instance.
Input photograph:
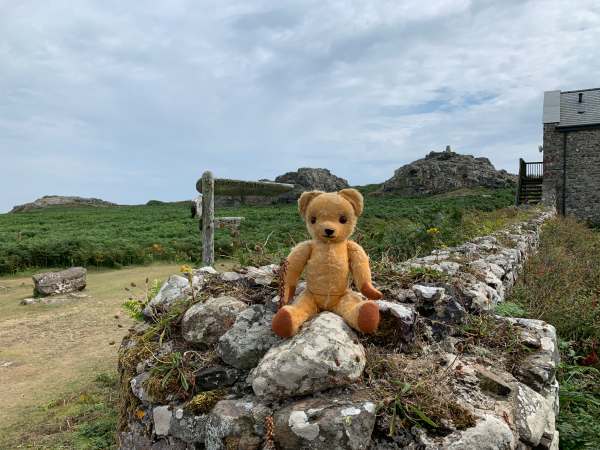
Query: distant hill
(49, 201)
(441, 172)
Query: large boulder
(63, 282)
(447, 171)
(204, 323)
(249, 338)
(320, 423)
(324, 354)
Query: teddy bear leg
(359, 314)
(290, 318)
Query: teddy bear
(328, 259)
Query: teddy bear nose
(329, 231)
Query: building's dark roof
(565, 109)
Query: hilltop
(60, 200)
(442, 172)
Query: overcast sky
(129, 101)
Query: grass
(82, 420)
(125, 235)
(58, 350)
(561, 285)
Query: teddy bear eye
(343, 219)
(313, 220)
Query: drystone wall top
(436, 375)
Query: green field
(118, 236)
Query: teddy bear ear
(305, 199)
(355, 198)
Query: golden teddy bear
(329, 258)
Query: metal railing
(528, 172)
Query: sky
(132, 101)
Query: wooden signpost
(208, 186)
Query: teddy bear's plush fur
(328, 258)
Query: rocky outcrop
(309, 179)
(59, 200)
(441, 172)
(329, 388)
(63, 282)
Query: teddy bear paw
(283, 323)
(368, 317)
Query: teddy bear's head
(331, 217)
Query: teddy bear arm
(361, 271)
(295, 263)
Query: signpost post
(208, 186)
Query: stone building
(571, 180)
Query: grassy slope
(561, 285)
(116, 236)
(56, 350)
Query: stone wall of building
(583, 175)
(553, 169)
(582, 186)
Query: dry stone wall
(320, 389)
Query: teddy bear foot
(283, 323)
(368, 317)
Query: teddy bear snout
(329, 231)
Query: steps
(530, 191)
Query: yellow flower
(185, 269)
(433, 230)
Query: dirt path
(48, 350)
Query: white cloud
(136, 101)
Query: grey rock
(531, 414)
(441, 172)
(53, 299)
(325, 353)
(401, 318)
(323, 423)
(62, 282)
(428, 294)
(490, 433)
(206, 270)
(161, 416)
(216, 377)
(231, 276)
(251, 336)
(188, 427)
(240, 421)
(137, 387)
(204, 323)
(538, 368)
(493, 384)
(262, 276)
(172, 291)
